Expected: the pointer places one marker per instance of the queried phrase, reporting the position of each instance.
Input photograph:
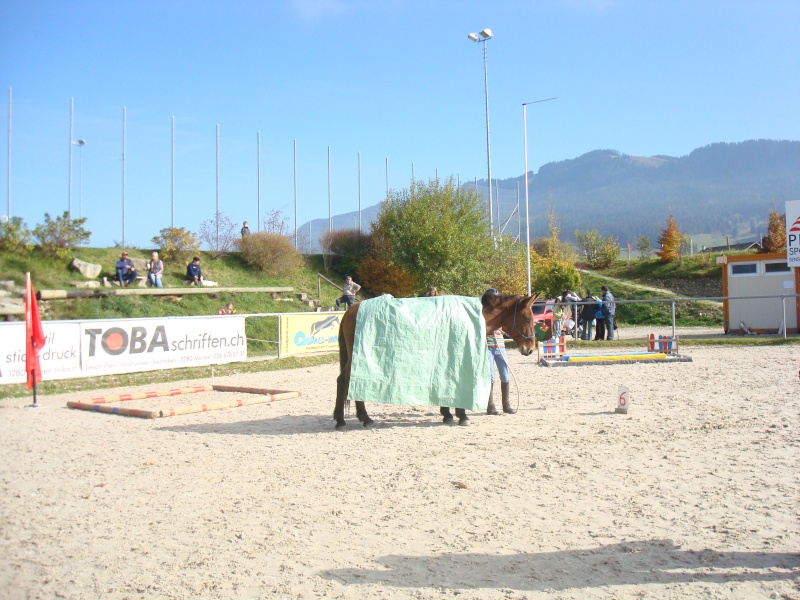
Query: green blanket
(421, 351)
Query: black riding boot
(504, 389)
(490, 409)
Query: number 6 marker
(623, 400)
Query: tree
(220, 235)
(556, 249)
(57, 238)
(436, 233)
(644, 247)
(550, 276)
(598, 252)
(509, 267)
(776, 233)
(670, 239)
(176, 243)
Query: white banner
(107, 347)
(793, 233)
(129, 345)
(60, 358)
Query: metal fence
(675, 301)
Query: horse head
(514, 315)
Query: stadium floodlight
(485, 35)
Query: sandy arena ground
(694, 494)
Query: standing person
(126, 272)
(193, 273)
(245, 229)
(571, 311)
(588, 315)
(558, 317)
(350, 290)
(609, 312)
(600, 322)
(155, 269)
(497, 354)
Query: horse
(513, 314)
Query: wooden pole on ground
(186, 410)
(115, 410)
(154, 394)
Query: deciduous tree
(670, 239)
(776, 233)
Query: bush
(343, 250)
(509, 271)
(14, 236)
(176, 243)
(381, 277)
(271, 253)
(58, 238)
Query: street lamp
(484, 36)
(527, 214)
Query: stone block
(87, 269)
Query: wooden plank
(176, 291)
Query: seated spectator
(126, 272)
(432, 291)
(193, 273)
(155, 269)
(349, 296)
(227, 309)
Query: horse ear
(528, 301)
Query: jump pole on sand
(263, 396)
(115, 410)
(155, 394)
(196, 408)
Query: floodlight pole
(527, 213)
(484, 36)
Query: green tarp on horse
(421, 351)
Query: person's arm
(159, 267)
(356, 287)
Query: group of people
(586, 314)
(126, 272)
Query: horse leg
(463, 419)
(342, 384)
(361, 413)
(445, 411)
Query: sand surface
(694, 494)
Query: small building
(748, 278)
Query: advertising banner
(311, 332)
(60, 358)
(129, 345)
(793, 233)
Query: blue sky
(389, 79)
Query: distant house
(746, 279)
(729, 247)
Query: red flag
(34, 336)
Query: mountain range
(717, 191)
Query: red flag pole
(34, 336)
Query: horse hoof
(448, 420)
(464, 422)
(340, 425)
(368, 423)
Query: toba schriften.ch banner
(103, 347)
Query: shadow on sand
(629, 563)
